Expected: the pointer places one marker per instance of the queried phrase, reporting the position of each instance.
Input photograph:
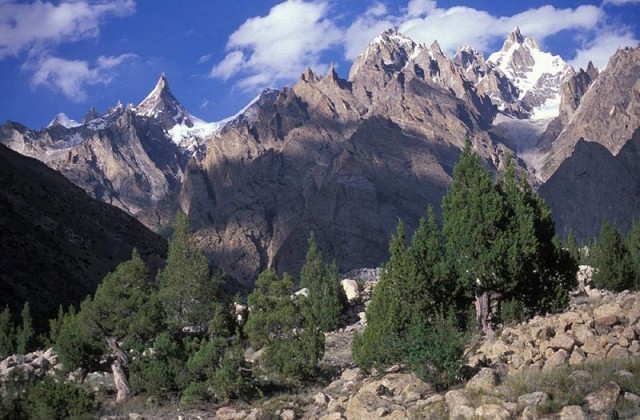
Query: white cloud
(267, 50)
(620, 2)
(71, 77)
(602, 47)
(203, 59)
(24, 26)
(459, 26)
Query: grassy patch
(565, 389)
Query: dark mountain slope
(57, 243)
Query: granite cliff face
(608, 113)
(57, 242)
(344, 158)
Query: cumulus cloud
(459, 26)
(267, 50)
(620, 2)
(71, 77)
(602, 47)
(24, 26)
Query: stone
(288, 414)
(632, 398)
(592, 346)
(258, 414)
(572, 412)
(459, 404)
(533, 399)
(320, 398)
(529, 413)
(580, 374)
(582, 333)
(559, 358)
(484, 380)
(562, 341)
(604, 398)
(330, 416)
(618, 352)
(228, 413)
(492, 412)
(351, 289)
(351, 375)
(577, 357)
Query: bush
(614, 268)
(49, 399)
(512, 311)
(436, 352)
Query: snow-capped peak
(538, 75)
(61, 119)
(161, 104)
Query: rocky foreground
(580, 364)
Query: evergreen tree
(390, 314)
(121, 313)
(633, 246)
(474, 229)
(188, 288)
(25, 335)
(614, 268)
(326, 296)
(283, 325)
(7, 333)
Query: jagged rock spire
(161, 104)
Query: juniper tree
(326, 296)
(473, 226)
(612, 260)
(25, 334)
(188, 288)
(7, 333)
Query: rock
(559, 358)
(618, 352)
(485, 380)
(288, 414)
(577, 357)
(592, 346)
(258, 414)
(529, 413)
(580, 374)
(604, 398)
(136, 416)
(330, 416)
(562, 341)
(492, 412)
(351, 375)
(99, 380)
(572, 412)
(320, 399)
(632, 398)
(351, 289)
(533, 398)
(459, 405)
(228, 413)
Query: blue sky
(66, 56)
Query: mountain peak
(161, 103)
(62, 120)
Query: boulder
(572, 412)
(533, 399)
(492, 412)
(288, 414)
(228, 413)
(604, 398)
(562, 341)
(350, 288)
(484, 380)
(559, 358)
(459, 405)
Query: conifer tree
(283, 325)
(473, 227)
(121, 314)
(326, 296)
(390, 314)
(25, 335)
(612, 260)
(633, 246)
(7, 333)
(188, 289)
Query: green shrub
(612, 260)
(436, 352)
(512, 311)
(49, 399)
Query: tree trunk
(119, 369)
(483, 313)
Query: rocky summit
(347, 157)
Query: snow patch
(63, 120)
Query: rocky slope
(57, 242)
